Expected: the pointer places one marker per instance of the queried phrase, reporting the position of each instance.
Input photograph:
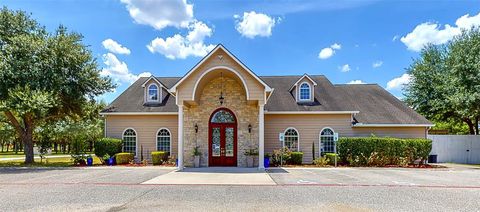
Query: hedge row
(159, 157)
(108, 146)
(376, 151)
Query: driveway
(342, 189)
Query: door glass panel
(229, 141)
(216, 141)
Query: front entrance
(222, 148)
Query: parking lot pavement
(343, 189)
(440, 177)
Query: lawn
(49, 162)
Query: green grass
(21, 154)
(52, 162)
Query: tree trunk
(470, 124)
(25, 134)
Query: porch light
(196, 128)
(249, 128)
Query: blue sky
(348, 41)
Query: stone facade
(235, 100)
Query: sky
(347, 41)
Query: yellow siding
(146, 127)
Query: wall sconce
(196, 128)
(249, 128)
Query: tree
(45, 76)
(444, 84)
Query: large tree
(445, 80)
(44, 76)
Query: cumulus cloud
(160, 13)
(356, 82)
(181, 47)
(118, 70)
(433, 33)
(399, 82)
(328, 52)
(115, 47)
(254, 24)
(345, 68)
(377, 64)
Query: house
(225, 109)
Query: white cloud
(160, 13)
(429, 32)
(145, 74)
(118, 70)
(399, 82)
(345, 68)
(328, 52)
(115, 47)
(377, 64)
(181, 47)
(356, 82)
(395, 38)
(255, 24)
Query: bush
(296, 158)
(376, 151)
(159, 157)
(321, 161)
(280, 156)
(124, 158)
(107, 146)
(331, 158)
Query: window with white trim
(305, 92)
(327, 143)
(163, 140)
(130, 141)
(291, 139)
(152, 93)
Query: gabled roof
(156, 80)
(375, 105)
(300, 79)
(220, 46)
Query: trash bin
(89, 161)
(111, 161)
(266, 162)
(432, 159)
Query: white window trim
(320, 139)
(159, 92)
(156, 139)
(309, 92)
(136, 139)
(298, 135)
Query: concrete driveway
(342, 189)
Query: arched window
(223, 116)
(163, 140)
(153, 92)
(291, 139)
(327, 144)
(305, 91)
(130, 141)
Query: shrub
(296, 158)
(159, 157)
(280, 156)
(331, 158)
(376, 151)
(107, 146)
(124, 158)
(321, 161)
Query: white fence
(456, 148)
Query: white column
(180, 137)
(261, 144)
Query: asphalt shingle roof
(375, 104)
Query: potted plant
(251, 154)
(196, 157)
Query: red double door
(222, 144)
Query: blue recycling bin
(89, 161)
(266, 162)
(111, 161)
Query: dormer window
(305, 92)
(153, 93)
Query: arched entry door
(222, 135)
